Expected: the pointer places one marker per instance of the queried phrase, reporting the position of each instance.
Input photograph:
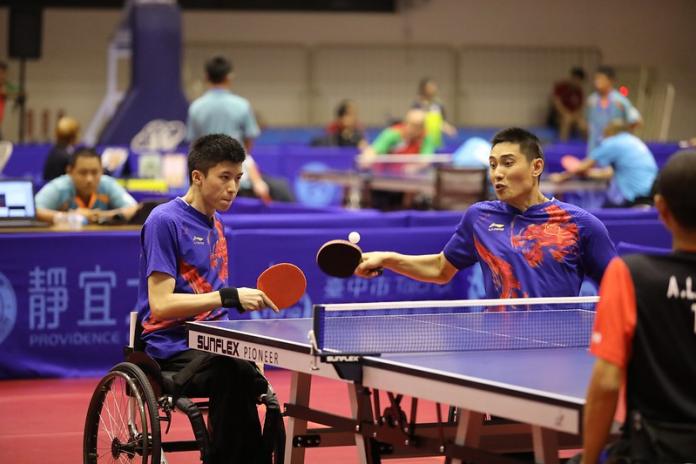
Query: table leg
(300, 386)
(361, 411)
(545, 445)
(469, 424)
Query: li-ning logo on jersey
(493, 227)
(198, 240)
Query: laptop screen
(17, 199)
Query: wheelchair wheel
(122, 423)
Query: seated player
(183, 277)
(645, 337)
(528, 245)
(406, 138)
(84, 189)
(623, 158)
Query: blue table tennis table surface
(560, 374)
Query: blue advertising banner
(64, 302)
(65, 296)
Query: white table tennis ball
(354, 237)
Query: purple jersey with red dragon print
(545, 251)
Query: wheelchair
(134, 401)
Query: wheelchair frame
(128, 407)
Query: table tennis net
(464, 325)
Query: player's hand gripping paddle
(283, 283)
(340, 258)
(570, 163)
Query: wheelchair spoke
(114, 425)
(122, 421)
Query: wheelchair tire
(122, 423)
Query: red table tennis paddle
(340, 258)
(570, 163)
(283, 283)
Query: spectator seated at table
(85, 190)
(623, 158)
(67, 130)
(406, 138)
(345, 130)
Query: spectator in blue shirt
(626, 160)
(85, 189)
(219, 111)
(605, 105)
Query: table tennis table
(535, 395)
(358, 184)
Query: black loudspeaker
(25, 31)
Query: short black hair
(607, 71)
(675, 183)
(578, 72)
(423, 82)
(217, 69)
(530, 146)
(84, 152)
(211, 150)
(342, 108)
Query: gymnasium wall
(495, 60)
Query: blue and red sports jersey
(544, 251)
(182, 242)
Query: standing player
(605, 105)
(183, 277)
(528, 245)
(219, 111)
(645, 333)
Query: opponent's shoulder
(578, 214)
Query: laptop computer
(17, 207)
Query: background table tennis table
(542, 388)
(357, 184)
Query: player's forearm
(248, 144)
(600, 408)
(183, 305)
(46, 215)
(254, 173)
(584, 166)
(601, 173)
(127, 211)
(426, 268)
